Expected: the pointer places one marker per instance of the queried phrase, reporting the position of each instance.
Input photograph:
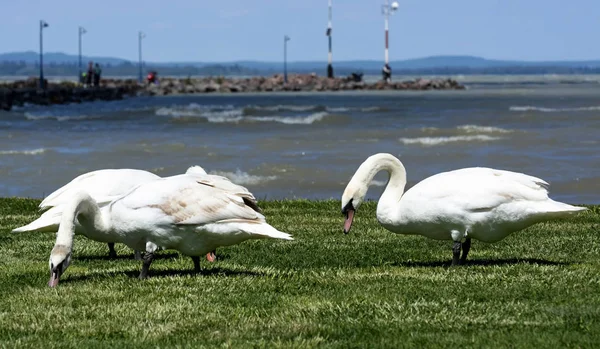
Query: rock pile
(27, 91)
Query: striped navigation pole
(43, 25)
(329, 66)
(285, 40)
(141, 35)
(81, 32)
(388, 10)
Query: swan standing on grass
(105, 186)
(480, 203)
(178, 212)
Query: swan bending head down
(185, 213)
(482, 203)
(356, 190)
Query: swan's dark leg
(196, 260)
(466, 246)
(211, 256)
(147, 260)
(137, 255)
(455, 253)
(111, 250)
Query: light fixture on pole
(329, 56)
(141, 35)
(388, 10)
(81, 32)
(285, 40)
(43, 25)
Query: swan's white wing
(479, 189)
(183, 200)
(223, 183)
(102, 185)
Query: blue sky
(219, 30)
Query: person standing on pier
(97, 73)
(90, 74)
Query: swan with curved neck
(183, 212)
(480, 203)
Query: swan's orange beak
(348, 223)
(210, 256)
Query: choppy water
(309, 145)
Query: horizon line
(75, 55)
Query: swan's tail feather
(264, 230)
(48, 222)
(557, 209)
(259, 230)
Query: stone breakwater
(307, 83)
(18, 93)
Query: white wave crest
(23, 152)
(289, 120)
(378, 183)
(243, 178)
(551, 110)
(49, 116)
(284, 107)
(337, 109)
(431, 141)
(482, 129)
(192, 109)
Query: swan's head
(196, 170)
(60, 258)
(352, 198)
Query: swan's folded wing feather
(184, 201)
(481, 189)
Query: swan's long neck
(397, 180)
(83, 208)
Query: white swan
(105, 186)
(480, 203)
(178, 212)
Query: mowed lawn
(539, 288)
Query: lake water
(308, 145)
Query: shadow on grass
(125, 257)
(162, 273)
(481, 262)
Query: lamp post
(329, 56)
(141, 35)
(388, 10)
(81, 32)
(285, 40)
(43, 25)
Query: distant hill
(55, 57)
(16, 63)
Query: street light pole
(285, 40)
(388, 10)
(329, 56)
(140, 37)
(81, 32)
(43, 25)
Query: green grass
(539, 288)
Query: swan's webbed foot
(466, 246)
(147, 260)
(196, 260)
(111, 250)
(455, 253)
(137, 255)
(211, 256)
